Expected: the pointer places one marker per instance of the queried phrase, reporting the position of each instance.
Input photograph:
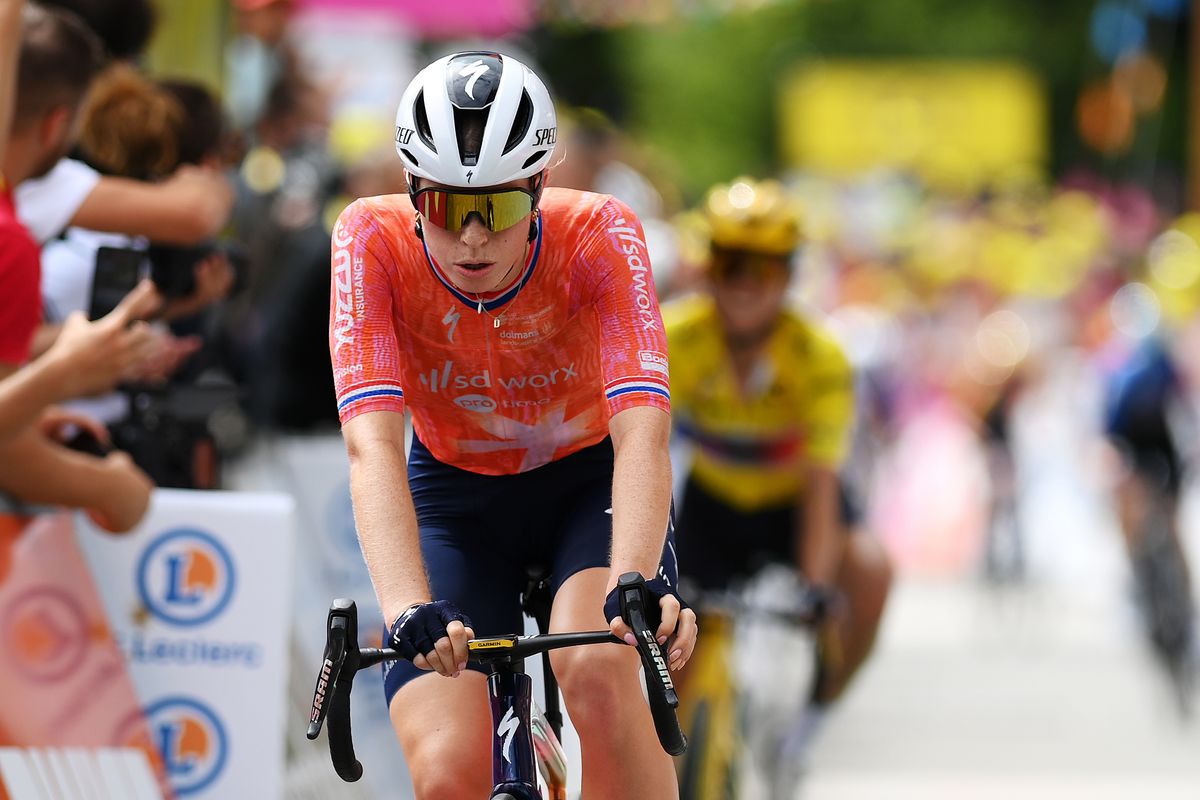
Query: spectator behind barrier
(57, 60)
(188, 208)
(135, 128)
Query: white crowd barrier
(76, 774)
(199, 600)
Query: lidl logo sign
(185, 577)
(192, 741)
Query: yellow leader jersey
(752, 445)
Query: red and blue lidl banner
(198, 599)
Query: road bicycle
(525, 742)
(747, 680)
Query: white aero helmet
(519, 126)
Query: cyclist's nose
(474, 233)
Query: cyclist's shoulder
(574, 212)
(805, 336)
(371, 213)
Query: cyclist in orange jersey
(519, 326)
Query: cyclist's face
(748, 290)
(475, 259)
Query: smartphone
(118, 271)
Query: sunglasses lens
(735, 265)
(451, 210)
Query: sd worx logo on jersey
(192, 741)
(186, 577)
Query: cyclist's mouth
(474, 266)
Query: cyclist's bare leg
(864, 577)
(622, 759)
(444, 726)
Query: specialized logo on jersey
(192, 741)
(451, 322)
(186, 577)
(45, 634)
(639, 265)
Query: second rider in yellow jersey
(765, 397)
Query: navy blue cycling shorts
(480, 534)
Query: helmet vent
(410, 157)
(533, 159)
(421, 117)
(521, 122)
(470, 125)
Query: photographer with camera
(56, 57)
(135, 128)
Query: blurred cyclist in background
(766, 398)
(1148, 409)
(519, 325)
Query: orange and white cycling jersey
(580, 336)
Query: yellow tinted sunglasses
(497, 209)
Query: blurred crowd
(165, 263)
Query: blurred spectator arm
(112, 489)
(86, 358)
(190, 206)
(10, 37)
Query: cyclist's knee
(597, 683)
(441, 767)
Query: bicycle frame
(523, 743)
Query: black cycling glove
(657, 588)
(417, 630)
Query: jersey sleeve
(362, 334)
(830, 408)
(633, 344)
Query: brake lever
(342, 615)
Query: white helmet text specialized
(455, 95)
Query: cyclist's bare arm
(641, 495)
(820, 546)
(36, 470)
(641, 503)
(190, 206)
(10, 38)
(387, 523)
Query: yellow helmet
(757, 216)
